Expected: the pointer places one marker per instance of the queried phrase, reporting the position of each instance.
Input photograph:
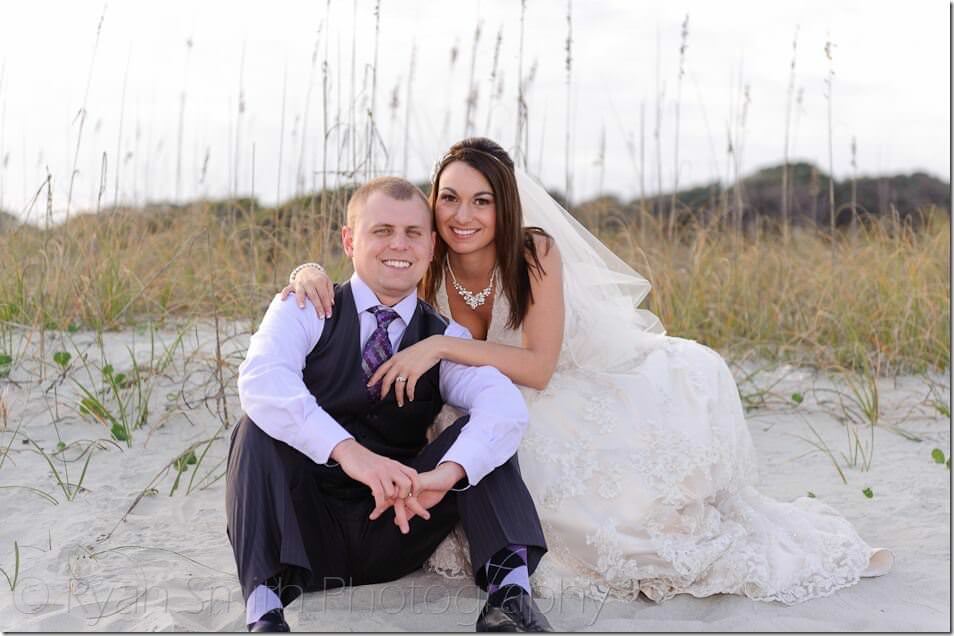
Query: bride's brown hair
(515, 245)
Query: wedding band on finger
(400, 378)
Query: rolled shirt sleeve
(498, 414)
(271, 387)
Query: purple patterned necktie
(378, 347)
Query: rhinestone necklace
(473, 300)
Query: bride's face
(465, 211)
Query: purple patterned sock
(508, 567)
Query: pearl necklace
(473, 300)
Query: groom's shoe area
(271, 621)
(511, 609)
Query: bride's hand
(316, 285)
(410, 364)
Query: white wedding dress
(642, 469)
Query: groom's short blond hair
(394, 187)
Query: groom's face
(391, 244)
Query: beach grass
(881, 302)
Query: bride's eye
(446, 197)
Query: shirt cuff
(462, 479)
(328, 434)
(473, 461)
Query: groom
(328, 484)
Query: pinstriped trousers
(289, 533)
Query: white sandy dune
(167, 565)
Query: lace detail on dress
(571, 460)
(611, 562)
(451, 558)
(596, 414)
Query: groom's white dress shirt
(273, 394)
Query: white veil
(604, 326)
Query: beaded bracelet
(291, 277)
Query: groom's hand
(433, 486)
(429, 488)
(388, 479)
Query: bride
(637, 453)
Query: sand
(168, 566)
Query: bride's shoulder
(542, 252)
(537, 239)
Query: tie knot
(383, 315)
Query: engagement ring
(400, 379)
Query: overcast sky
(890, 91)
